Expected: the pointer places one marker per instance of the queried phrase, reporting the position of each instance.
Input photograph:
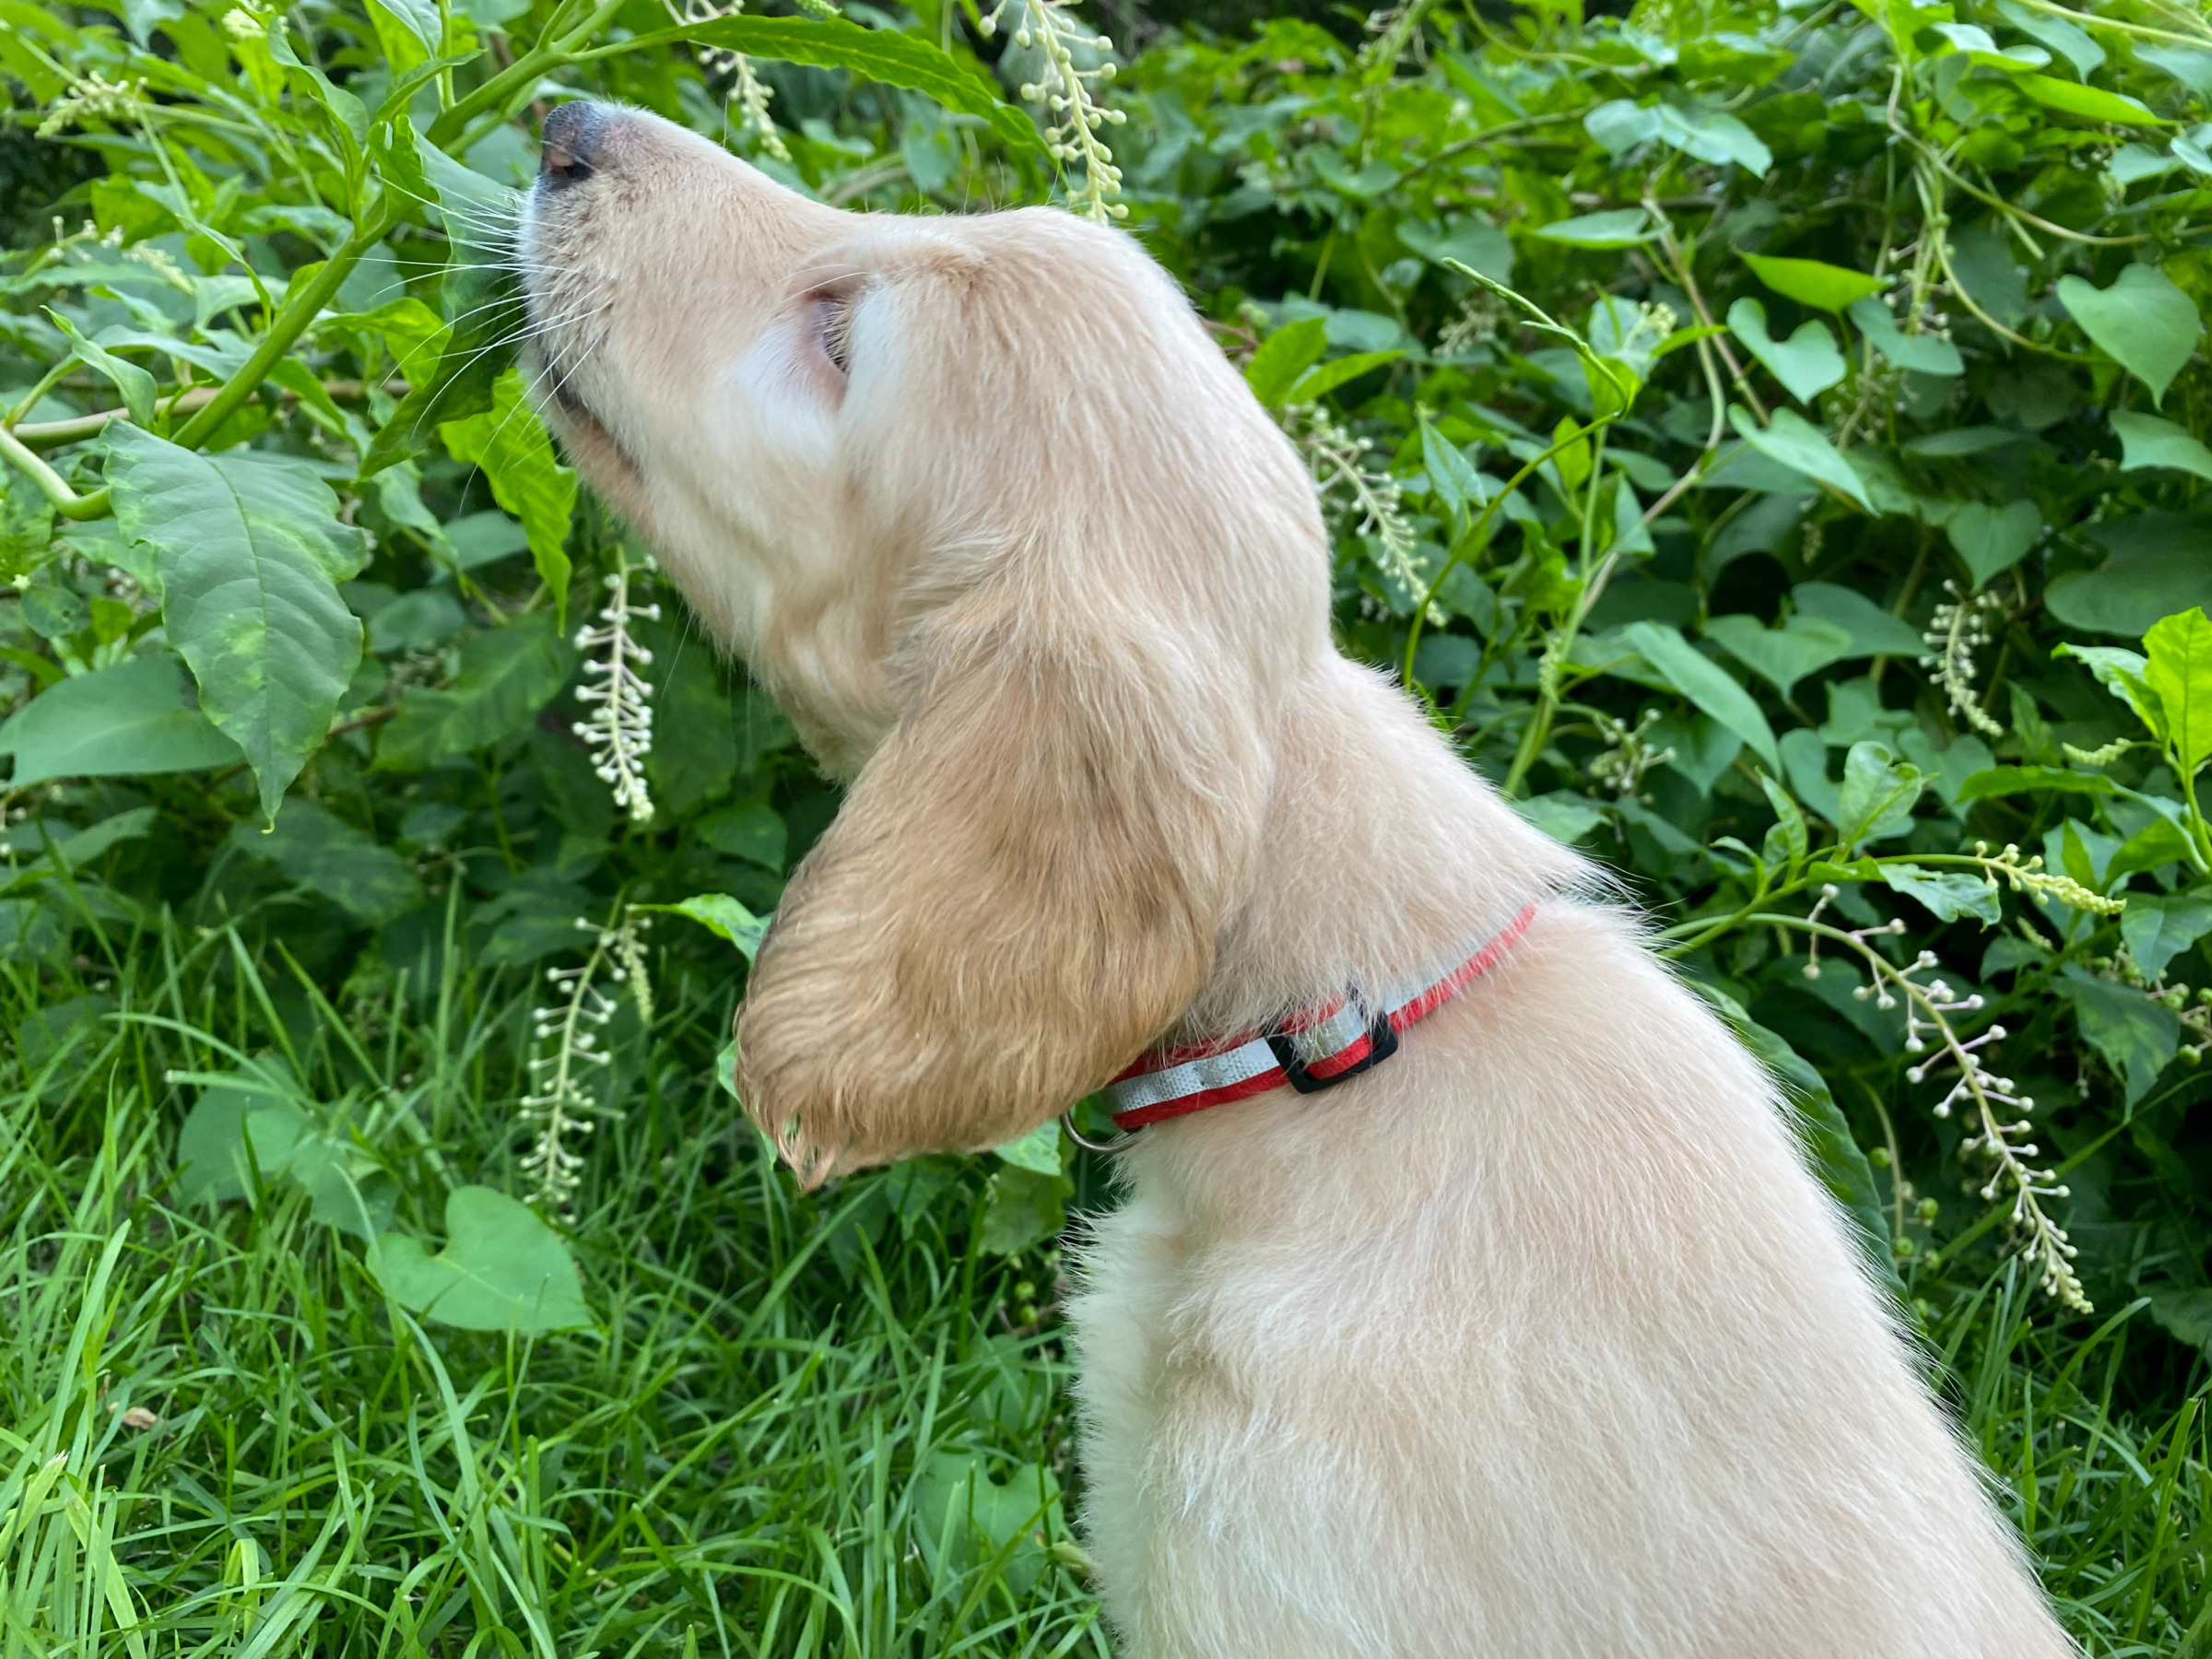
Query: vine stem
(52, 485)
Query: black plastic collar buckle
(1382, 1043)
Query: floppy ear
(1021, 891)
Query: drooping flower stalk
(619, 730)
(1070, 97)
(1956, 631)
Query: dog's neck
(1383, 854)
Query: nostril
(571, 135)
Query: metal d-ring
(1068, 1122)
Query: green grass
(219, 1437)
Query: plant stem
(301, 308)
(52, 485)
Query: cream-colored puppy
(1535, 1340)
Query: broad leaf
(2159, 926)
(1705, 683)
(134, 718)
(1781, 655)
(1947, 894)
(1810, 282)
(1877, 795)
(1923, 353)
(2180, 676)
(723, 916)
(877, 54)
(2147, 441)
(1990, 540)
(2143, 322)
(1621, 228)
(507, 675)
(502, 1269)
(1284, 355)
(2091, 103)
(325, 855)
(251, 552)
(1874, 632)
(2135, 1034)
(1038, 1150)
(510, 443)
(1794, 442)
(1808, 363)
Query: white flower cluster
(1336, 458)
(1929, 1003)
(619, 730)
(747, 91)
(1956, 631)
(566, 1094)
(1070, 95)
(97, 96)
(1628, 754)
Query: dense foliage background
(1766, 437)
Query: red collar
(1311, 1051)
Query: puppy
(1534, 1338)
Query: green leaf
(2071, 44)
(1714, 137)
(1794, 442)
(752, 831)
(211, 1147)
(1947, 894)
(507, 675)
(135, 383)
(723, 916)
(1473, 241)
(2126, 675)
(325, 855)
(1781, 655)
(2159, 926)
(2161, 841)
(1808, 363)
(1038, 1150)
(2148, 578)
(419, 17)
(2143, 322)
(502, 1269)
(1874, 632)
(1284, 355)
(2091, 103)
(251, 551)
(2147, 441)
(1321, 381)
(1368, 183)
(1877, 797)
(1810, 282)
(878, 54)
(1564, 815)
(1705, 683)
(258, 1118)
(510, 443)
(2180, 676)
(1992, 539)
(132, 719)
(1621, 228)
(2137, 1035)
(1923, 353)
(1996, 781)
(1022, 1208)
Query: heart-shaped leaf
(502, 1269)
(1807, 362)
(1621, 228)
(1475, 242)
(2143, 322)
(1923, 353)
(1781, 655)
(1794, 442)
(2146, 441)
(1992, 539)
(1877, 795)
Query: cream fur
(1537, 1341)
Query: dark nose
(570, 136)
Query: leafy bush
(1765, 438)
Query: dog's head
(982, 504)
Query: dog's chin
(595, 450)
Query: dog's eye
(833, 328)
